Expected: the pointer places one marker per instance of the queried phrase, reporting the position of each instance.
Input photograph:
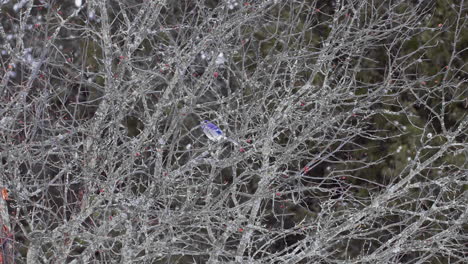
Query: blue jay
(214, 133)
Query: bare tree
(344, 131)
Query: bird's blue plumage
(211, 130)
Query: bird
(213, 132)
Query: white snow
(20, 5)
(220, 59)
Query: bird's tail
(233, 141)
